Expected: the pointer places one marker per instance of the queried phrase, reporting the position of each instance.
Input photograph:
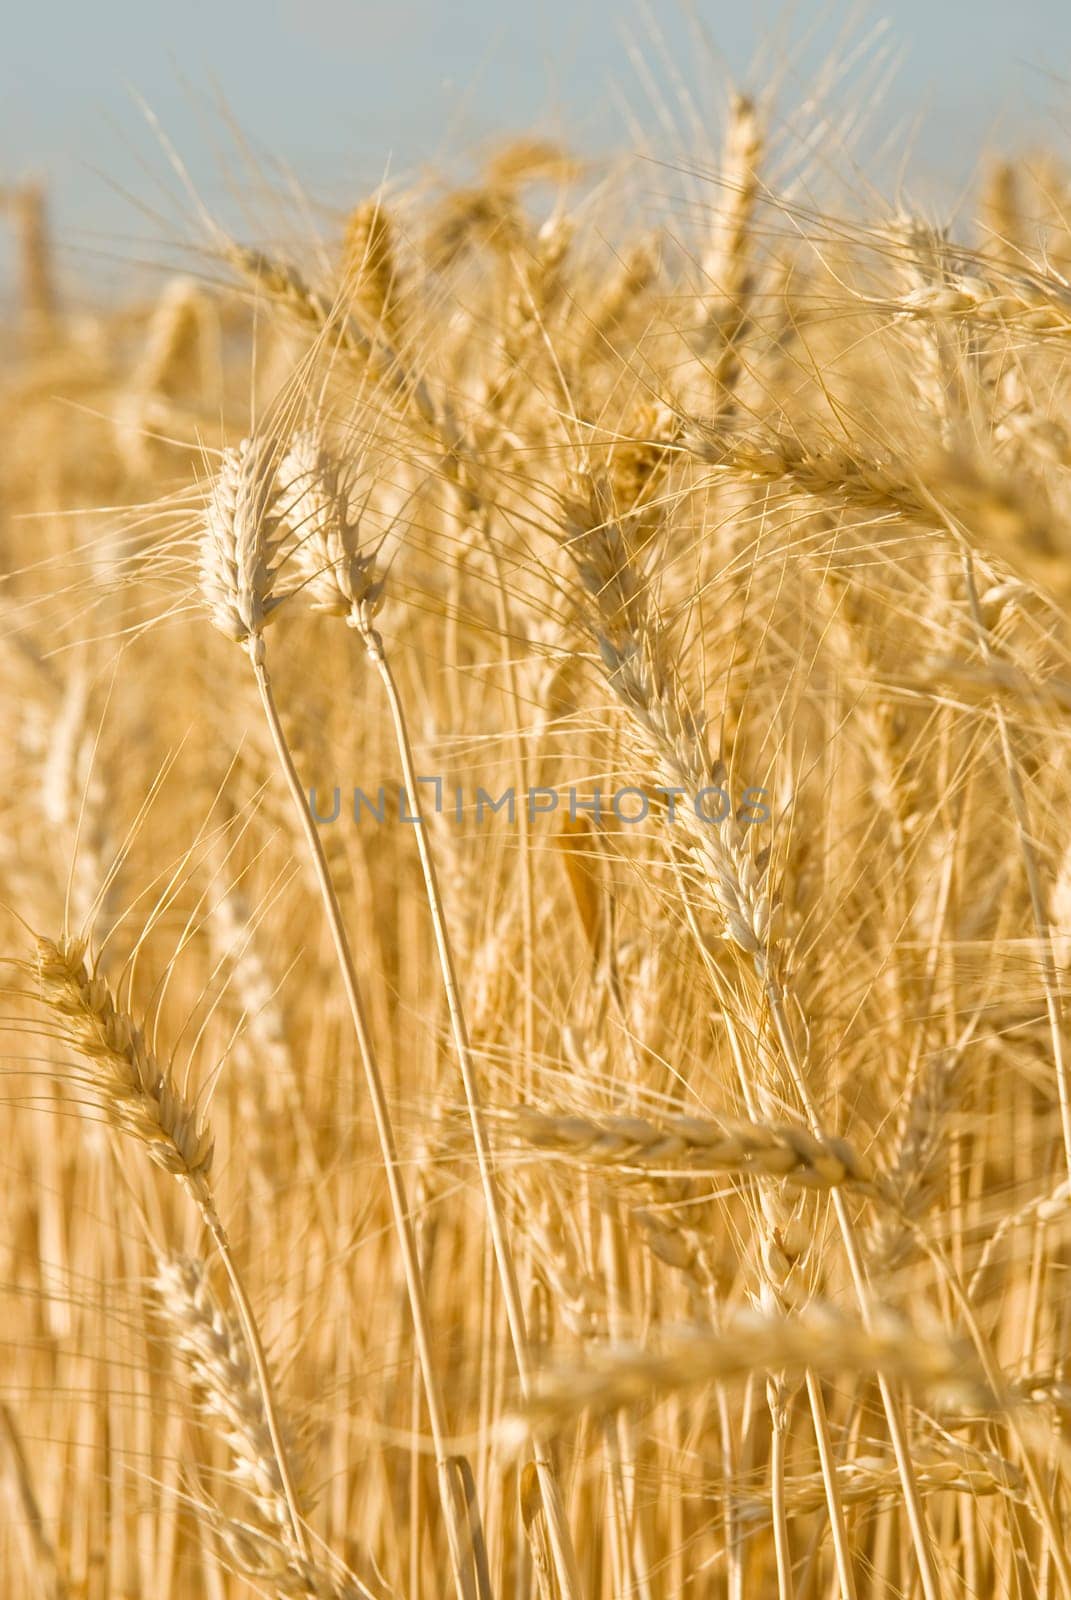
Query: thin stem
(782, 1551)
(457, 1517)
(826, 1455)
(734, 1563)
(1039, 914)
(557, 1526)
(931, 1583)
(1057, 1541)
(828, 1463)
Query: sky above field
(336, 92)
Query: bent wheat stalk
(340, 580)
(244, 532)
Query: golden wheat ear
(137, 1094)
(243, 537)
(321, 509)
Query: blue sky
(340, 91)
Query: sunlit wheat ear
(136, 1093)
(339, 578)
(369, 265)
(280, 283)
(694, 1145)
(215, 1350)
(637, 664)
(229, 1394)
(241, 541)
(822, 1339)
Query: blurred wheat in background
(566, 1200)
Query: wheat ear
(136, 1093)
(683, 1144)
(217, 1355)
(821, 1340)
(140, 1098)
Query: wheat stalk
(341, 581)
(237, 580)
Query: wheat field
(536, 895)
